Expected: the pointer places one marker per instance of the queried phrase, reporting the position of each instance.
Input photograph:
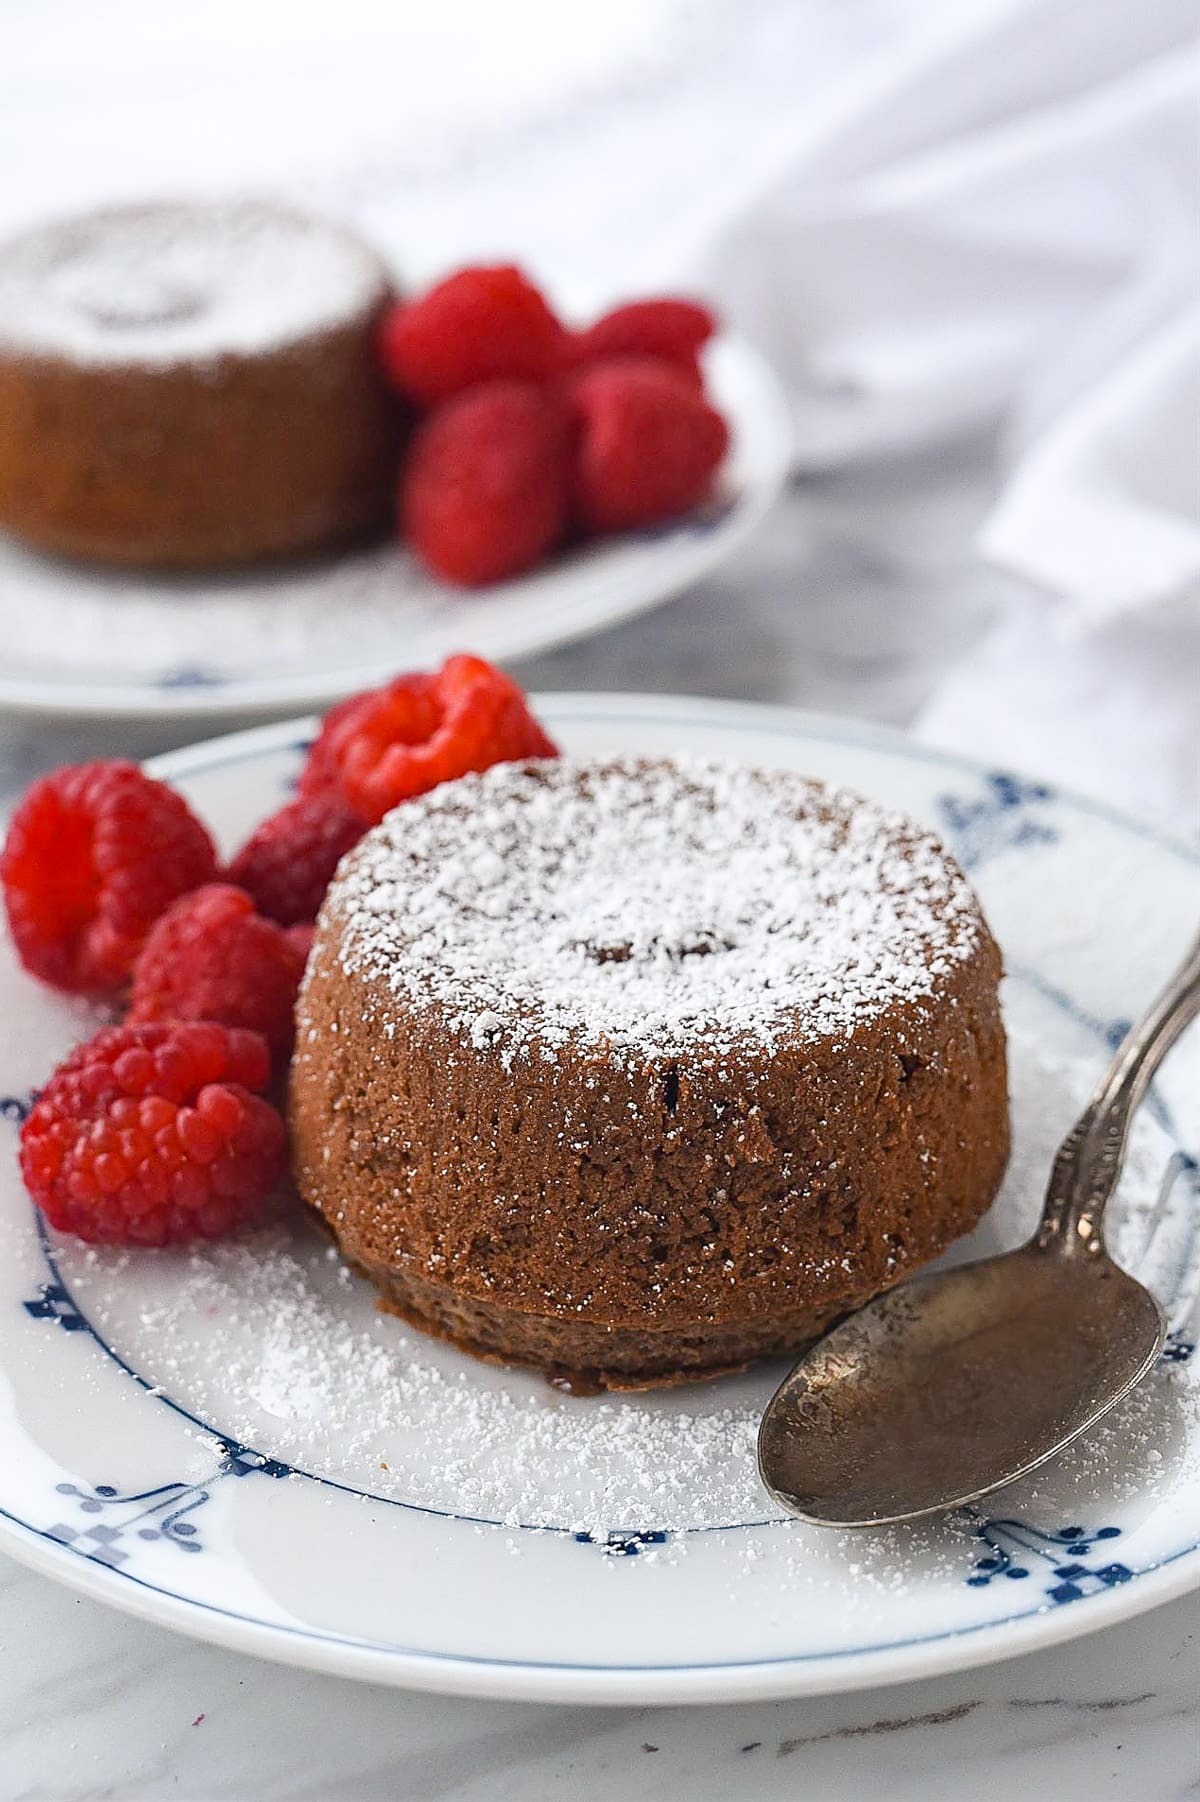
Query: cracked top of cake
(649, 908)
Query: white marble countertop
(94, 1706)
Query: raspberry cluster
(532, 434)
(160, 1130)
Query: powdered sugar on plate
(647, 907)
(272, 1340)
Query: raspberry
(302, 937)
(675, 330)
(320, 772)
(473, 327)
(286, 865)
(211, 957)
(568, 384)
(484, 492)
(649, 444)
(150, 1135)
(420, 730)
(94, 854)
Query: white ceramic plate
(236, 1444)
(83, 641)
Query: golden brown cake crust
(624, 1213)
(166, 399)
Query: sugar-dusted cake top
(189, 282)
(650, 907)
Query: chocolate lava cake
(192, 384)
(636, 1071)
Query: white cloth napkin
(1004, 225)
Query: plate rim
(814, 1674)
(796, 1675)
(271, 697)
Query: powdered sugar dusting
(162, 284)
(647, 907)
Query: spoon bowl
(955, 1383)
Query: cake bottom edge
(587, 1358)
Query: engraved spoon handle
(1089, 1160)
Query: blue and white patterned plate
(236, 1444)
(84, 641)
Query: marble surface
(94, 1706)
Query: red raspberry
(649, 444)
(484, 491)
(675, 330)
(287, 863)
(149, 1135)
(211, 957)
(691, 376)
(420, 730)
(320, 772)
(94, 854)
(473, 327)
(302, 937)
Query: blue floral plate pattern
(162, 1447)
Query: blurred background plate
(83, 642)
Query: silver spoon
(959, 1382)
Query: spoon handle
(1089, 1160)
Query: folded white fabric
(1004, 226)
(962, 210)
(1105, 507)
